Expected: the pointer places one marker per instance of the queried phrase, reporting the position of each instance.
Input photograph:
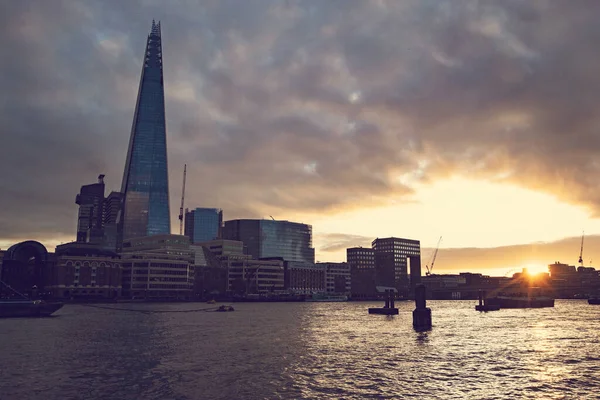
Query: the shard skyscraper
(145, 180)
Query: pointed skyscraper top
(145, 184)
(155, 29)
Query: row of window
(94, 264)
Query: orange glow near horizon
(534, 269)
(482, 223)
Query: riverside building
(361, 261)
(263, 238)
(337, 277)
(158, 267)
(246, 275)
(392, 259)
(84, 271)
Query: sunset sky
(473, 120)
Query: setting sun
(533, 269)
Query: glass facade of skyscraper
(203, 224)
(267, 238)
(145, 180)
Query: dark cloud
(283, 106)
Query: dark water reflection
(296, 350)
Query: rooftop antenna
(182, 198)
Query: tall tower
(91, 209)
(145, 180)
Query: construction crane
(581, 251)
(429, 269)
(182, 198)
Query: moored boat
(594, 300)
(24, 306)
(532, 298)
(327, 297)
(520, 302)
(28, 308)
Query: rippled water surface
(302, 351)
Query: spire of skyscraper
(145, 179)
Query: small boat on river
(532, 299)
(22, 306)
(324, 297)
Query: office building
(90, 219)
(158, 267)
(337, 277)
(203, 224)
(112, 219)
(361, 261)
(112, 207)
(98, 217)
(304, 278)
(559, 270)
(210, 276)
(263, 238)
(223, 247)
(145, 180)
(246, 275)
(360, 258)
(392, 258)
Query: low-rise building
(246, 275)
(84, 271)
(158, 267)
(443, 281)
(304, 278)
(337, 277)
(223, 247)
(210, 276)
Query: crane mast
(581, 250)
(182, 199)
(430, 269)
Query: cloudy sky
(472, 120)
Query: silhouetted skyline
(343, 115)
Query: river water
(302, 351)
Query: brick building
(84, 271)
